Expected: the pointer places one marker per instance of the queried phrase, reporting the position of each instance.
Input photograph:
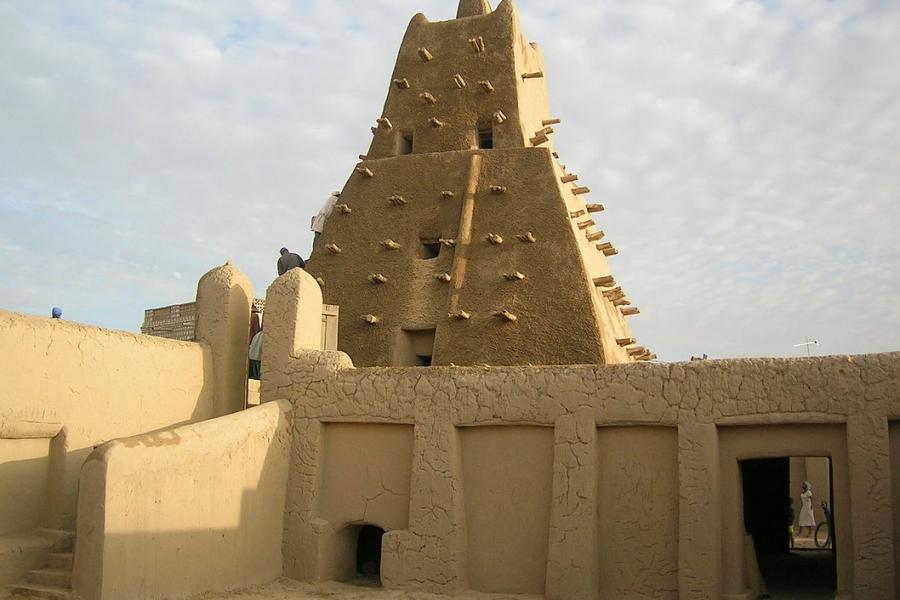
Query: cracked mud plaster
(573, 552)
(637, 512)
(696, 398)
(870, 485)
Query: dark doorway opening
(485, 138)
(405, 143)
(368, 553)
(790, 565)
(429, 249)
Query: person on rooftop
(289, 260)
(318, 221)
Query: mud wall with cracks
(637, 506)
(663, 424)
(505, 476)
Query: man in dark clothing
(289, 260)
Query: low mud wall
(192, 509)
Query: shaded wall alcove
(743, 494)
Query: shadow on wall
(156, 563)
(507, 475)
(196, 509)
(100, 385)
(24, 465)
(637, 512)
(755, 471)
(366, 474)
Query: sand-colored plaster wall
(832, 406)
(375, 463)
(777, 441)
(186, 510)
(477, 198)
(24, 465)
(557, 281)
(461, 110)
(637, 503)
(506, 480)
(99, 384)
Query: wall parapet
(211, 491)
(695, 402)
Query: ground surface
(800, 575)
(288, 589)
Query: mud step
(63, 541)
(31, 590)
(61, 560)
(51, 577)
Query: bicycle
(822, 535)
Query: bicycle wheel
(823, 535)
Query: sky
(748, 152)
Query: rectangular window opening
(416, 348)
(405, 143)
(429, 248)
(486, 138)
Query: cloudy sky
(748, 152)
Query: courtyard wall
(69, 387)
(191, 509)
(622, 480)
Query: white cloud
(747, 152)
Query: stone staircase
(54, 581)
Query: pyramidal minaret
(460, 238)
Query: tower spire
(473, 8)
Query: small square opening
(485, 138)
(416, 348)
(429, 248)
(405, 143)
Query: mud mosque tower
(460, 238)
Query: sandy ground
(288, 589)
(801, 575)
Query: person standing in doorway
(256, 355)
(807, 518)
(318, 221)
(289, 260)
(255, 323)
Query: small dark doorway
(429, 249)
(405, 143)
(486, 138)
(368, 553)
(790, 566)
